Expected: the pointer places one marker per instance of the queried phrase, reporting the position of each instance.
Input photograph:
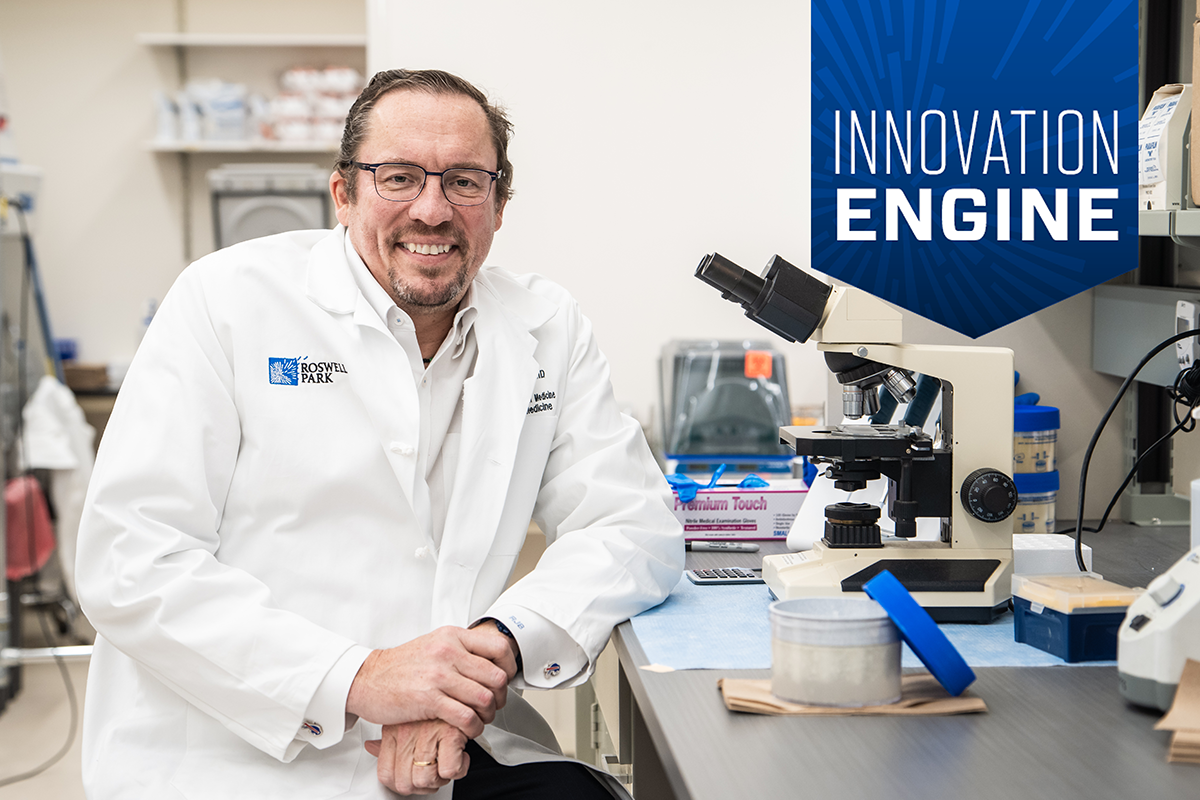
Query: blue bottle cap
(1035, 418)
(1035, 482)
(921, 632)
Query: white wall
(647, 135)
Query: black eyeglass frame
(495, 176)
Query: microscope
(960, 474)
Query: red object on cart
(30, 532)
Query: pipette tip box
(1073, 616)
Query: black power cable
(32, 542)
(1186, 390)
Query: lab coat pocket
(219, 764)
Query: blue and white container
(1035, 437)
(1037, 495)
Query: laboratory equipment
(959, 476)
(253, 200)
(1074, 615)
(724, 402)
(1160, 633)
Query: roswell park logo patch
(294, 371)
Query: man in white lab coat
(316, 481)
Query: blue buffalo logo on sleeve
(294, 371)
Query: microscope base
(953, 585)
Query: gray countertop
(1060, 732)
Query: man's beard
(434, 299)
(431, 300)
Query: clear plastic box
(1072, 592)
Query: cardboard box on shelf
(86, 377)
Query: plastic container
(1037, 497)
(1074, 616)
(1035, 437)
(1069, 592)
(834, 651)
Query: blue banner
(974, 162)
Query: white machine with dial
(1160, 633)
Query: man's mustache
(446, 230)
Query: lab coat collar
(330, 284)
(500, 287)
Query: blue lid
(1036, 482)
(921, 632)
(1035, 418)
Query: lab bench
(1062, 732)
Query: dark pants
(552, 780)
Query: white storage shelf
(250, 40)
(264, 146)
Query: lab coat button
(400, 448)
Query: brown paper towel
(921, 694)
(1184, 718)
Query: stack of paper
(1184, 717)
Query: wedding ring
(425, 763)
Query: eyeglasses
(402, 183)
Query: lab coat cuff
(551, 657)
(325, 719)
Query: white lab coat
(240, 535)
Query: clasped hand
(432, 694)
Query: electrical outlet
(1187, 351)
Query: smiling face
(424, 252)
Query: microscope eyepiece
(732, 280)
(785, 300)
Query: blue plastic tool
(687, 488)
(921, 632)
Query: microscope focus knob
(989, 495)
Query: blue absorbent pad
(729, 627)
